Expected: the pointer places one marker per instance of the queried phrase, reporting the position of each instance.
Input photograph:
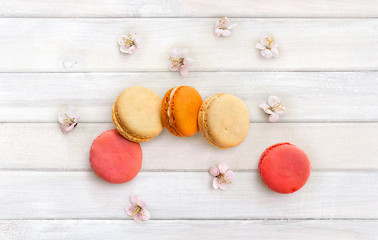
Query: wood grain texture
(330, 146)
(184, 195)
(90, 45)
(308, 96)
(188, 230)
(188, 8)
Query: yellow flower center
(223, 21)
(178, 61)
(127, 41)
(223, 179)
(270, 42)
(277, 107)
(136, 210)
(68, 120)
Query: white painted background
(57, 53)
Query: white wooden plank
(77, 45)
(309, 96)
(188, 8)
(184, 195)
(188, 230)
(330, 146)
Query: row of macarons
(140, 114)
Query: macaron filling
(169, 104)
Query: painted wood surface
(90, 45)
(185, 195)
(189, 8)
(308, 96)
(56, 54)
(188, 230)
(330, 146)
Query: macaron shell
(137, 111)
(184, 106)
(284, 168)
(114, 158)
(123, 131)
(225, 120)
(164, 114)
(202, 119)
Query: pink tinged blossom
(274, 108)
(179, 61)
(137, 209)
(222, 176)
(268, 47)
(68, 120)
(130, 42)
(223, 27)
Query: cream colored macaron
(136, 114)
(223, 120)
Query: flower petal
(266, 53)
(273, 100)
(222, 168)
(216, 183)
(275, 52)
(223, 185)
(281, 111)
(65, 128)
(61, 117)
(141, 203)
(232, 26)
(214, 171)
(132, 49)
(183, 53)
(173, 66)
(174, 53)
(130, 210)
(266, 108)
(263, 40)
(138, 42)
(124, 49)
(274, 44)
(121, 39)
(184, 70)
(274, 117)
(260, 46)
(226, 33)
(217, 32)
(138, 217)
(188, 61)
(134, 199)
(229, 175)
(145, 214)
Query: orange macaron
(179, 111)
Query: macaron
(284, 168)
(223, 120)
(179, 111)
(136, 114)
(114, 158)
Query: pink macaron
(284, 168)
(114, 158)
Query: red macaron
(284, 168)
(114, 158)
